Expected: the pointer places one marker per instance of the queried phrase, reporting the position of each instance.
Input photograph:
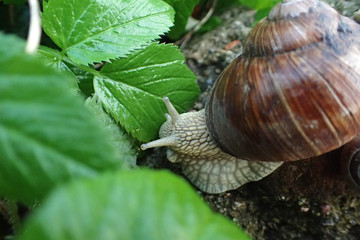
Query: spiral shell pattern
(294, 92)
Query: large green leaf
(183, 10)
(122, 142)
(131, 89)
(10, 46)
(140, 204)
(47, 135)
(96, 30)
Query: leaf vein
(66, 156)
(111, 28)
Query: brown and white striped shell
(294, 93)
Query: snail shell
(294, 92)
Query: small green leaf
(211, 24)
(47, 135)
(259, 4)
(183, 10)
(263, 7)
(95, 30)
(131, 89)
(122, 142)
(53, 58)
(139, 204)
(85, 80)
(260, 14)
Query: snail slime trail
(292, 94)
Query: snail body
(292, 94)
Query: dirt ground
(308, 199)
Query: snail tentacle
(171, 109)
(168, 141)
(202, 161)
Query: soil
(308, 199)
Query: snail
(292, 94)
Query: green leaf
(95, 30)
(131, 89)
(183, 10)
(260, 14)
(10, 46)
(122, 142)
(259, 4)
(85, 78)
(54, 59)
(211, 24)
(47, 135)
(263, 7)
(139, 204)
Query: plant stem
(83, 67)
(33, 40)
(182, 42)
